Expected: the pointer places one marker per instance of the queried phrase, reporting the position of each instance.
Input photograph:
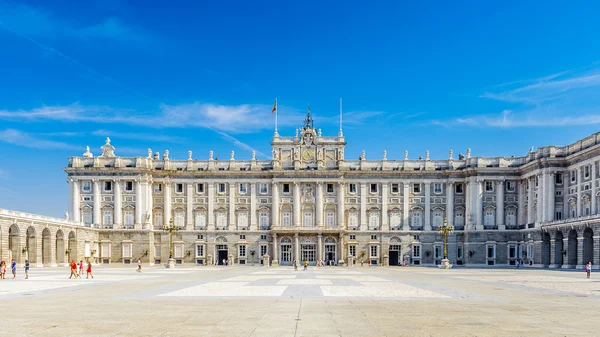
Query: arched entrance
(72, 248)
(285, 251)
(221, 251)
(14, 244)
(31, 245)
(330, 255)
(572, 249)
(558, 250)
(588, 245)
(394, 252)
(46, 248)
(60, 247)
(546, 250)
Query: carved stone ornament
(308, 139)
(308, 195)
(149, 153)
(87, 153)
(107, 149)
(405, 155)
(232, 155)
(253, 155)
(166, 155)
(210, 155)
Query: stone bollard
(231, 260)
(266, 258)
(209, 260)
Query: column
(52, 249)
(593, 201)
(38, 251)
(97, 211)
(297, 249)
(363, 206)
(167, 202)
(319, 205)
(552, 253)
(580, 262)
(71, 183)
(579, 186)
(139, 204)
(342, 256)
(530, 184)
(427, 206)
(479, 204)
(118, 216)
(320, 247)
(211, 206)
(253, 206)
(275, 205)
(232, 223)
(500, 205)
(550, 196)
(297, 206)
(76, 199)
(384, 207)
(521, 200)
(469, 217)
(450, 203)
(149, 204)
(540, 198)
(566, 211)
(190, 206)
(405, 206)
(341, 205)
(275, 258)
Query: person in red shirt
(73, 266)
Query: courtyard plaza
(322, 301)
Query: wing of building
(309, 203)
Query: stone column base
(275, 263)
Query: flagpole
(276, 113)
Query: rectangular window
(459, 188)
(263, 236)
(373, 188)
(489, 186)
(127, 250)
(221, 188)
(437, 188)
(373, 251)
(352, 237)
(459, 252)
(416, 252)
(286, 219)
(242, 236)
(373, 237)
(352, 250)
(86, 186)
(199, 250)
(586, 171)
(512, 251)
(129, 216)
(286, 188)
(437, 252)
(559, 215)
(352, 188)
(510, 186)
(395, 188)
(129, 186)
(108, 218)
(558, 178)
(573, 176)
(353, 220)
(157, 251)
(263, 220)
(243, 188)
(416, 188)
(330, 219)
(87, 217)
(179, 188)
(491, 251)
(157, 188)
(242, 251)
(329, 188)
(200, 188)
(107, 186)
(263, 188)
(537, 181)
(263, 250)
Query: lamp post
(445, 229)
(171, 228)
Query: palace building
(310, 203)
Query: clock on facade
(308, 155)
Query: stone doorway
(330, 254)
(221, 254)
(285, 258)
(308, 253)
(394, 254)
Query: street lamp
(171, 228)
(445, 229)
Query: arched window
(242, 219)
(308, 217)
(416, 218)
(221, 220)
(395, 219)
(459, 218)
(373, 220)
(179, 219)
(511, 217)
(353, 219)
(489, 218)
(330, 219)
(200, 219)
(263, 219)
(438, 218)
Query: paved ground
(327, 301)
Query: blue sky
(496, 77)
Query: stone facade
(309, 202)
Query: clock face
(308, 155)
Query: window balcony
(490, 227)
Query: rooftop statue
(87, 153)
(107, 149)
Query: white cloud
(16, 137)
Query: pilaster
(593, 209)
(550, 195)
(297, 222)
(521, 200)
(190, 206)
(427, 206)
(500, 205)
(405, 206)
(139, 204)
(579, 203)
(97, 205)
(75, 215)
(253, 224)
(232, 222)
(275, 260)
(530, 184)
(167, 203)
(118, 218)
(363, 206)
(449, 203)
(275, 206)
(319, 205)
(479, 204)
(211, 206)
(297, 249)
(341, 206)
(385, 226)
(320, 247)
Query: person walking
(305, 264)
(80, 267)
(588, 269)
(139, 263)
(295, 265)
(26, 269)
(13, 267)
(73, 267)
(3, 269)
(89, 270)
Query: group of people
(296, 265)
(13, 268)
(73, 265)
